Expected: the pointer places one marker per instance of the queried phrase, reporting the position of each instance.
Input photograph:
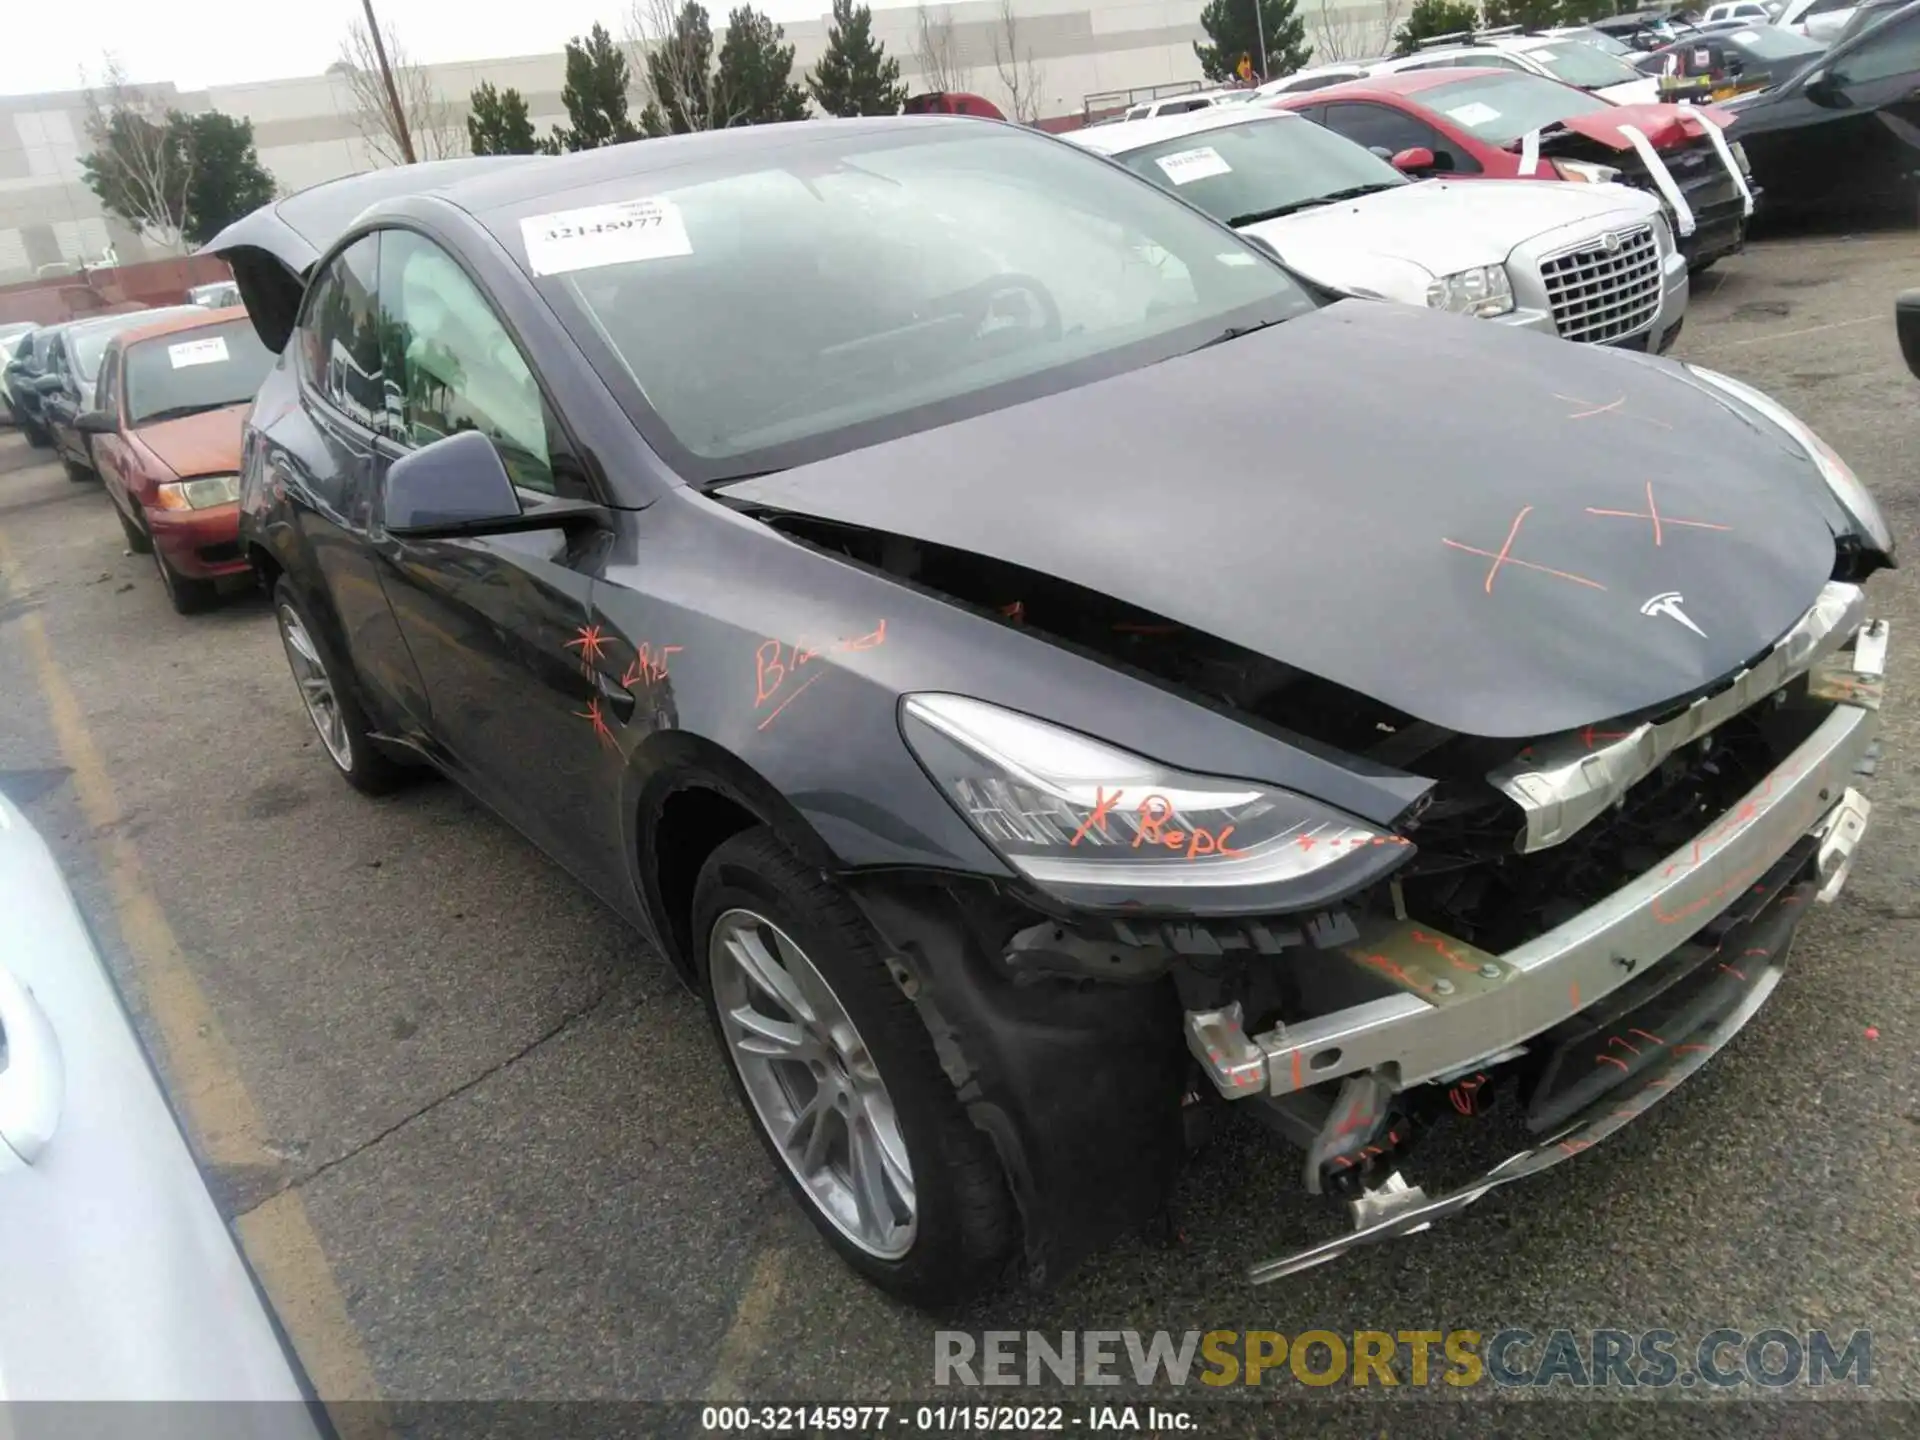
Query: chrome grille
(1600, 292)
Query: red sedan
(1475, 123)
(171, 398)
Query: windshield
(1262, 167)
(1582, 65)
(90, 340)
(867, 285)
(187, 371)
(1770, 43)
(1501, 108)
(1601, 41)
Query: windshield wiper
(1234, 332)
(1352, 192)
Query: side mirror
(48, 384)
(1906, 321)
(1412, 162)
(449, 486)
(96, 422)
(1822, 87)
(459, 486)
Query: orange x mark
(1652, 512)
(1505, 556)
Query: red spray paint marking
(1652, 512)
(598, 719)
(1505, 556)
(1611, 407)
(591, 642)
(775, 663)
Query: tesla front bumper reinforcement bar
(1397, 1208)
(1457, 1005)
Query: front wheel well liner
(696, 797)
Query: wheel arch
(691, 796)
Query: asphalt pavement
(478, 1141)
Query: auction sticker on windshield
(1474, 114)
(1191, 165)
(198, 352)
(604, 235)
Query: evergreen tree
(1429, 18)
(1235, 30)
(755, 78)
(228, 180)
(595, 96)
(497, 122)
(855, 75)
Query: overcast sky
(196, 43)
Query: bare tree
(674, 51)
(1019, 71)
(936, 52)
(141, 166)
(427, 118)
(1343, 30)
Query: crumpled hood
(1442, 226)
(204, 444)
(1663, 125)
(1454, 519)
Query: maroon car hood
(1661, 124)
(205, 444)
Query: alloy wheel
(316, 687)
(812, 1082)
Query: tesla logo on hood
(1668, 604)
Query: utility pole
(1260, 29)
(400, 130)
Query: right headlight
(1102, 826)
(1484, 291)
(1845, 486)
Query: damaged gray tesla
(1044, 673)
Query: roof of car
(174, 324)
(306, 224)
(1402, 82)
(1131, 135)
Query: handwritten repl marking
(1611, 407)
(1156, 827)
(1652, 512)
(1505, 556)
(648, 665)
(775, 663)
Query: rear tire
(37, 437)
(862, 1063)
(327, 691)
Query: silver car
(122, 1280)
(1591, 262)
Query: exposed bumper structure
(1460, 1007)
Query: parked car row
(776, 525)
(148, 402)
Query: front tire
(138, 541)
(326, 690)
(838, 1074)
(187, 596)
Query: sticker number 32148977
(602, 235)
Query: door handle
(34, 1084)
(618, 697)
